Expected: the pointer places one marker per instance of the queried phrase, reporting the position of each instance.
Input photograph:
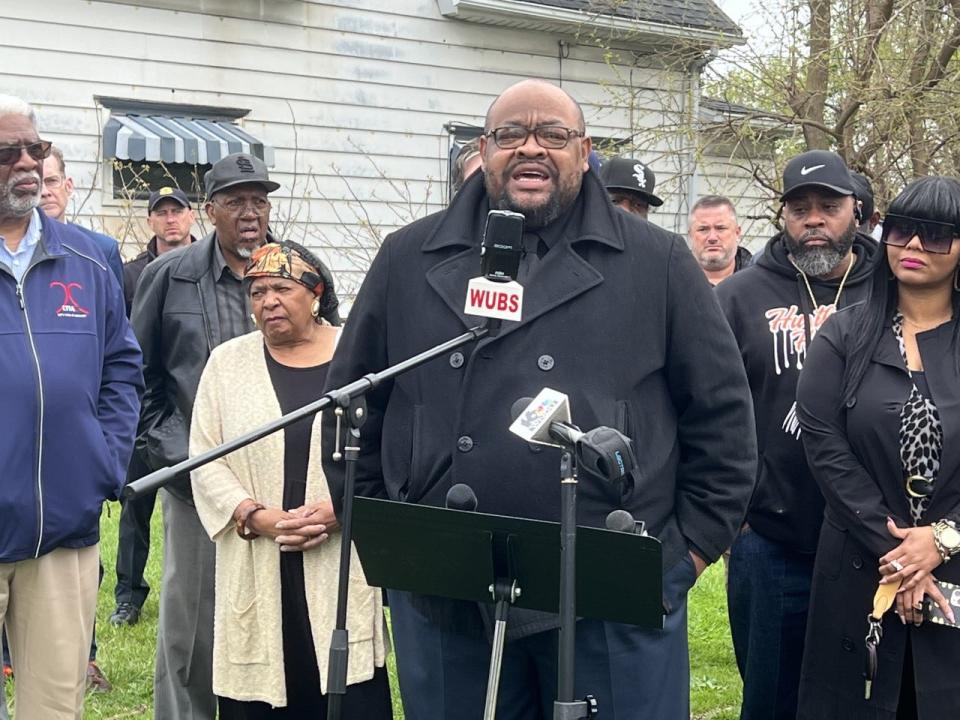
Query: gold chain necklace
(924, 328)
(843, 280)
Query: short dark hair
(930, 198)
(711, 201)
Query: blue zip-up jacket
(70, 385)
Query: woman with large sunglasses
(879, 405)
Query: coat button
(456, 360)
(851, 402)
(545, 363)
(465, 443)
(857, 562)
(847, 644)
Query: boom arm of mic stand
(166, 475)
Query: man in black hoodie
(818, 264)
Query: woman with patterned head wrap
(267, 507)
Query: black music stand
(507, 561)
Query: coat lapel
(938, 360)
(560, 276)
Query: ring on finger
(896, 565)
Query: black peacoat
(854, 453)
(617, 315)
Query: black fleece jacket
(774, 318)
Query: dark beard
(559, 201)
(821, 260)
(534, 218)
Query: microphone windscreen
(621, 521)
(461, 497)
(518, 407)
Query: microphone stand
(349, 401)
(565, 707)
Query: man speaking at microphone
(617, 315)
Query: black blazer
(854, 453)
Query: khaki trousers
(48, 605)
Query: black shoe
(125, 614)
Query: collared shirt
(19, 260)
(232, 303)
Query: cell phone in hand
(932, 611)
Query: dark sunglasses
(9, 154)
(935, 237)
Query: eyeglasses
(9, 154)
(52, 182)
(551, 137)
(935, 237)
(237, 206)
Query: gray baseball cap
(237, 169)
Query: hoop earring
(255, 323)
(315, 308)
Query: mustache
(20, 177)
(512, 167)
(815, 235)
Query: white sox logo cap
(632, 175)
(817, 168)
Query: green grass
(126, 654)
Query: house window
(153, 145)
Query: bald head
(534, 163)
(530, 91)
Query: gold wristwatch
(947, 538)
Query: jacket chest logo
(787, 326)
(70, 307)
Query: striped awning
(195, 141)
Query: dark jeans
(133, 542)
(768, 596)
(633, 673)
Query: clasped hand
(911, 564)
(296, 530)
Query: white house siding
(718, 175)
(353, 96)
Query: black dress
(370, 700)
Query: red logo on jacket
(70, 307)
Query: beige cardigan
(235, 395)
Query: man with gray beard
(187, 302)
(70, 386)
(818, 264)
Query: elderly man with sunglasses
(70, 383)
(187, 302)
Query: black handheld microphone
(502, 245)
(461, 497)
(622, 521)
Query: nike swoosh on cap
(807, 170)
